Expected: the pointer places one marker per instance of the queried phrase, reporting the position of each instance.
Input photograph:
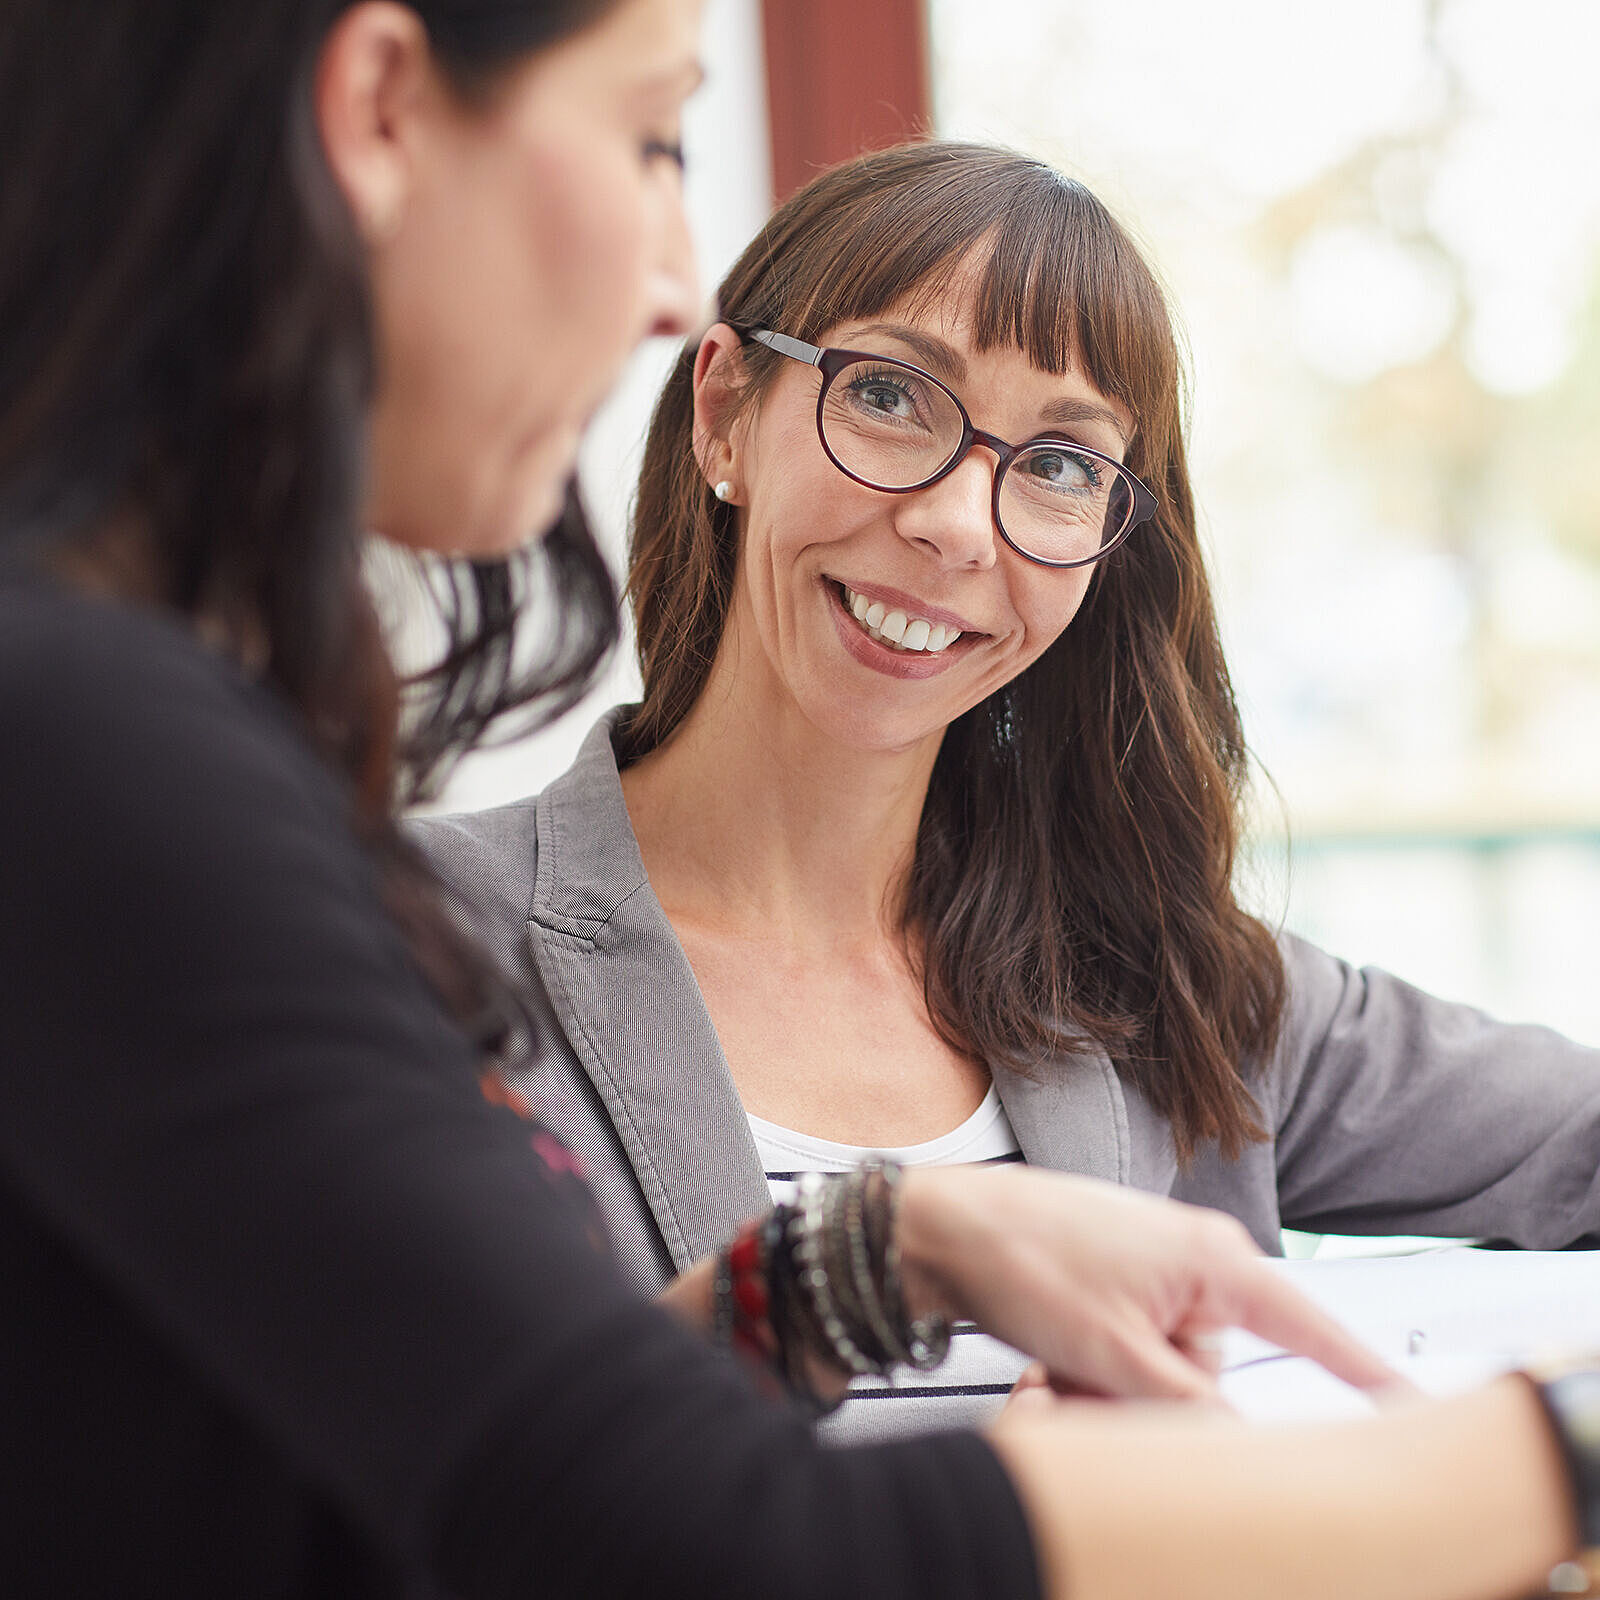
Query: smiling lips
(895, 628)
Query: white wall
(728, 185)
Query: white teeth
(895, 628)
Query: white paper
(1445, 1320)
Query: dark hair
(1072, 879)
(186, 352)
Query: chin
(541, 521)
(872, 728)
(536, 511)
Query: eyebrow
(1064, 413)
(945, 361)
(942, 359)
(686, 79)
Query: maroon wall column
(843, 76)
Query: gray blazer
(1389, 1111)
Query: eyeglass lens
(889, 426)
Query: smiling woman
(922, 836)
(1102, 758)
(885, 425)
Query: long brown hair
(1072, 879)
(186, 348)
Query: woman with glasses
(922, 837)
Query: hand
(1037, 1394)
(1115, 1291)
(1032, 1394)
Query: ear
(718, 379)
(374, 70)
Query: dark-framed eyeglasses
(889, 425)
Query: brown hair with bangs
(1072, 883)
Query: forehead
(634, 49)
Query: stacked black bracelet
(821, 1279)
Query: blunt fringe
(1072, 884)
(186, 364)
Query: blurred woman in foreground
(293, 1309)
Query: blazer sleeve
(1397, 1112)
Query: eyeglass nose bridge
(1004, 454)
(971, 437)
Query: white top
(985, 1137)
(974, 1380)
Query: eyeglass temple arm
(782, 343)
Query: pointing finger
(1273, 1310)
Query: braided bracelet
(927, 1339)
(805, 1234)
(754, 1310)
(740, 1296)
(868, 1291)
(722, 1300)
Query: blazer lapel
(1078, 1116)
(629, 1004)
(1071, 1117)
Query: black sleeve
(223, 1083)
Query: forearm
(1458, 1500)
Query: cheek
(586, 243)
(1047, 604)
(801, 519)
(820, 508)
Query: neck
(752, 820)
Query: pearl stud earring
(723, 491)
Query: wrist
(933, 1229)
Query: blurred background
(1379, 223)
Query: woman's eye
(883, 397)
(886, 397)
(1063, 469)
(664, 150)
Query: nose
(673, 291)
(953, 519)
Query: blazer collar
(630, 1007)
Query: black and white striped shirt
(971, 1385)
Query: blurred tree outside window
(1380, 225)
